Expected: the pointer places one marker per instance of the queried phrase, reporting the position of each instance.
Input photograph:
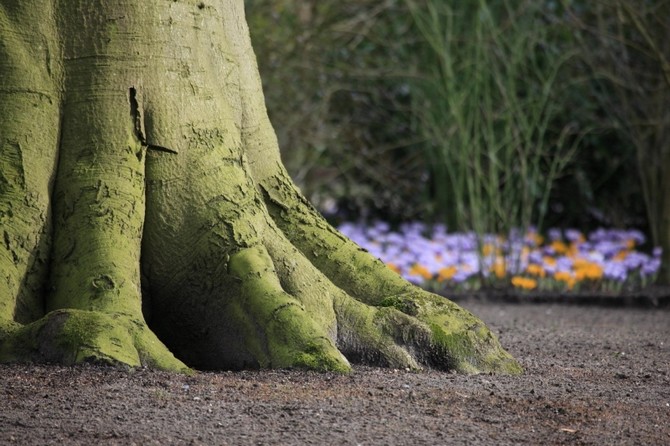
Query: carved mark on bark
(138, 124)
(136, 116)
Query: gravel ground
(593, 375)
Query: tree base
(131, 179)
(76, 336)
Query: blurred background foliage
(335, 79)
(348, 84)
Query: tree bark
(141, 186)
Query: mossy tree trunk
(147, 218)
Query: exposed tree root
(77, 336)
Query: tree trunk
(141, 186)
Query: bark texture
(146, 215)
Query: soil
(594, 375)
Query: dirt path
(594, 375)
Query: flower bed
(606, 260)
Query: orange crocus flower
(524, 282)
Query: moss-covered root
(404, 334)
(458, 340)
(373, 336)
(78, 336)
(274, 329)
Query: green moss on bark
(169, 190)
(291, 337)
(77, 336)
(30, 74)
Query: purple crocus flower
(651, 267)
(563, 264)
(635, 260)
(637, 236)
(573, 235)
(535, 256)
(554, 234)
(615, 271)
